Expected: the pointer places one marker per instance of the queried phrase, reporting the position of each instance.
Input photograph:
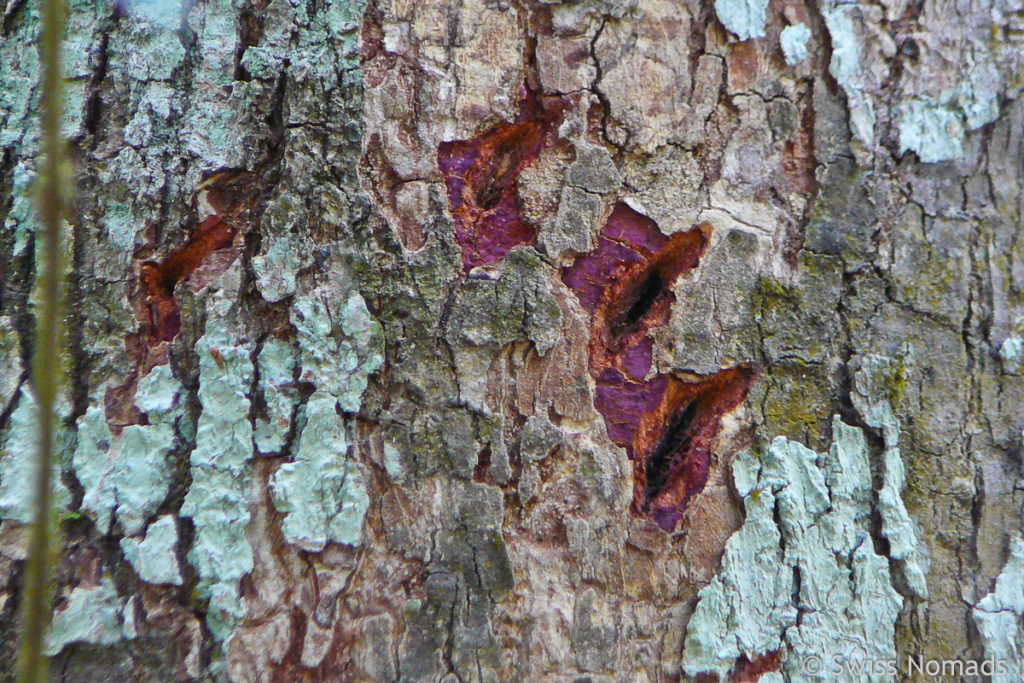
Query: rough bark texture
(525, 340)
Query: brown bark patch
(751, 670)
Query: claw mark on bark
(666, 424)
(480, 176)
(223, 199)
(159, 279)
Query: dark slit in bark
(674, 441)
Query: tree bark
(526, 340)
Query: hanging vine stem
(47, 367)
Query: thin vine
(47, 366)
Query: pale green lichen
(794, 43)
(276, 365)
(129, 476)
(1011, 352)
(978, 93)
(19, 95)
(341, 345)
(80, 57)
(165, 14)
(998, 616)
(934, 132)
(745, 18)
(10, 360)
(277, 267)
(157, 393)
(897, 527)
(21, 216)
(17, 462)
(121, 226)
(870, 399)
(844, 608)
(931, 123)
(321, 492)
(92, 465)
(213, 126)
(262, 62)
(283, 250)
(153, 557)
(218, 499)
(141, 475)
(847, 69)
(936, 127)
(393, 463)
(91, 614)
(19, 75)
(748, 607)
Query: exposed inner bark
(651, 288)
(209, 250)
(159, 279)
(480, 175)
(667, 425)
(674, 452)
(750, 670)
(676, 439)
(227, 194)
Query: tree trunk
(526, 340)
